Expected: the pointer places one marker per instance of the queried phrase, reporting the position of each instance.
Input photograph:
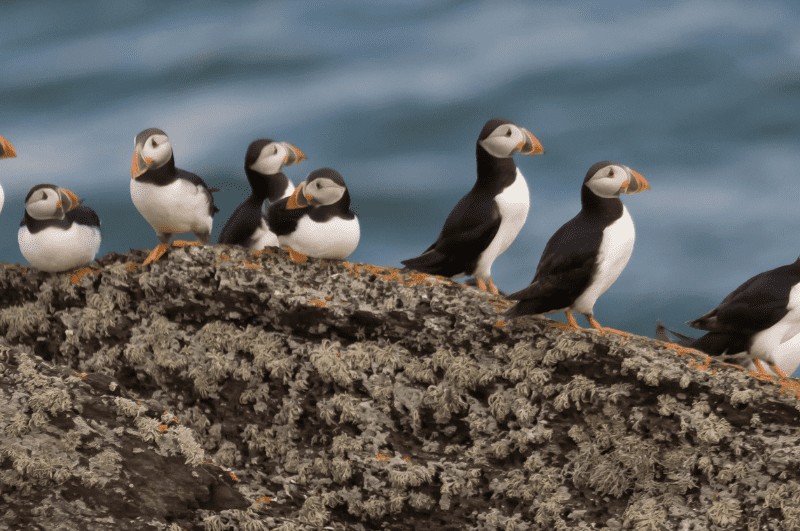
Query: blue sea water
(702, 97)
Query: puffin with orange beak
(171, 200)
(316, 219)
(263, 165)
(486, 220)
(57, 233)
(7, 151)
(587, 254)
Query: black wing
(564, 271)
(756, 305)
(244, 221)
(467, 232)
(83, 215)
(282, 220)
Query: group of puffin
(579, 263)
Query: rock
(222, 389)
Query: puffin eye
(508, 132)
(611, 172)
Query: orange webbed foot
(299, 258)
(597, 326)
(184, 243)
(156, 253)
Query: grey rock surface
(221, 389)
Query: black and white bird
(587, 254)
(57, 233)
(7, 151)
(263, 163)
(485, 222)
(760, 317)
(170, 199)
(316, 219)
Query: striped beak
(139, 164)
(298, 199)
(295, 155)
(531, 145)
(7, 151)
(636, 184)
(68, 200)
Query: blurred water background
(702, 97)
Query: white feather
(612, 257)
(54, 249)
(513, 203)
(335, 238)
(177, 207)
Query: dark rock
(224, 389)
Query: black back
(82, 215)
(754, 306)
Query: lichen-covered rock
(222, 389)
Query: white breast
(780, 343)
(54, 249)
(513, 203)
(335, 238)
(612, 257)
(177, 207)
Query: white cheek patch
(498, 146)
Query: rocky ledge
(220, 389)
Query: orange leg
(297, 257)
(571, 321)
(493, 288)
(762, 371)
(778, 371)
(481, 284)
(596, 326)
(183, 243)
(156, 253)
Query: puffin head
(503, 139)
(322, 187)
(48, 201)
(7, 151)
(609, 179)
(267, 157)
(151, 151)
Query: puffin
(57, 233)
(170, 199)
(247, 225)
(587, 254)
(484, 222)
(316, 219)
(7, 151)
(760, 317)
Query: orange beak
(136, 164)
(295, 156)
(8, 149)
(640, 183)
(531, 145)
(73, 199)
(293, 202)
